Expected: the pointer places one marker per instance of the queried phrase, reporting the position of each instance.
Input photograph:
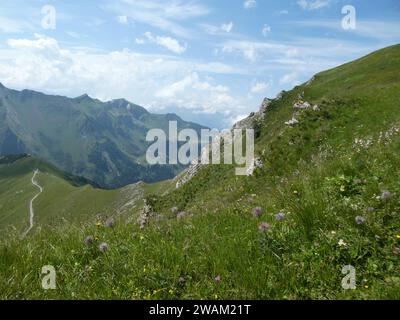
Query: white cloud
(259, 87)
(251, 50)
(154, 81)
(366, 28)
(313, 4)
(167, 42)
(199, 95)
(299, 53)
(162, 14)
(122, 19)
(248, 4)
(266, 30)
(214, 30)
(227, 27)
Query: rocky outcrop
(248, 123)
(299, 106)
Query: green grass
(66, 199)
(315, 173)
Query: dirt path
(31, 211)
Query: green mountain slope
(66, 199)
(104, 142)
(326, 197)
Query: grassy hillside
(66, 200)
(328, 196)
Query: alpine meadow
(316, 216)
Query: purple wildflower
(110, 223)
(264, 227)
(257, 212)
(386, 195)
(218, 279)
(360, 220)
(89, 240)
(280, 216)
(103, 247)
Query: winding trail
(31, 211)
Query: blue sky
(209, 61)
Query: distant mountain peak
(85, 96)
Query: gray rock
(293, 122)
(302, 105)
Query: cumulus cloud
(248, 4)
(167, 42)
(197, 94)
(154, 81)
(313, 4)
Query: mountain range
(101, 141)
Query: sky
(209, 61)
